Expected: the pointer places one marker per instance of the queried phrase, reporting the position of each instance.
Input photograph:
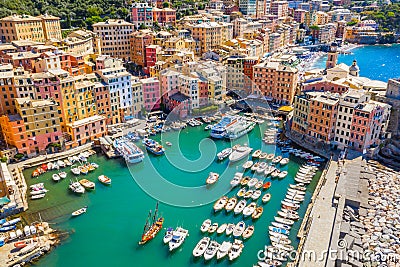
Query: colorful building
(151, 93)
(85, 130)
(114, 34)
(8, 91)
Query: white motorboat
(239, 129)
(298, 187)
(221, 228)
(212, 178)
(252, 182)
(213, 228)
(211, 250)
(275, 173)
(266, 197)
(295, 192)
(256, 153)
(224, 249)
(288, 215)
(284, 221)
(277, 240)
(205, 226)
(249, 209)
(229, 229)
(95, 165)
(201, 247)
(255, 166)
(38, 186)
(239, 229)
(38, 196)
(236, 249)
(79, 212)
(256, 194)
(240, 206)
(178, 237)
(239, 153)
(290, 205)
(277, 159)
(61, 163)
(261, 167)
(247, 164)
(248, 232)
(284, 161)
(63, 175)
(76, 187)
(55, 177)
(75, 170)
(38, 192)
(231, 204)
(168, 235)
(220, 203)
(259, 184)
(282, 174)
(224, 153)
(269, 170)
(236, 179)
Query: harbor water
(377, 62)
(108, 234)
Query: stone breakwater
(382, 221)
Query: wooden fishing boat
(79, 212)
(87, 184)
(104, 179)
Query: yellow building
(175, 43)
(51, 27)
(25, 27)
(211, 35)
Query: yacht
(211, 250)
(224, 249)
(219, 129)
(239, 129)
(201, 247)
(236, 249)
(239, 153)
(178, 237)
(129, 150)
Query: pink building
(142, 13)
(151, 93)
(325, 86)
(280, 9)
(85, 130)
(48, 86)
(203, 92)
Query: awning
(4, 200)
(285, 108)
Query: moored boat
(201, 247)
(76, 187)
(257, 213)
(220, 203)
(248, 232)
(236, 249)
(229, 229)
(247, 164)
(256, 153)
(168, 235)
(239, 229)
(231, 204)
(213, 228)
(212, 178)
(221, 228)
(55, 177)
(205, 226)
(178, 237)
(240, 206)
(266, 198)
(87, 184)
(224, 249)
(211, 250)
(79, 212)
(104, 179)
(224, 153)
(239, 153)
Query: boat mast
(155, 212)
(146, 226)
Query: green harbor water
(108, 234)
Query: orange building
(322, 116)
(165, 16)
(8, 92)
(138, 43)
(14, 132)
(276, 81)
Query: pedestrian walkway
(322, 218)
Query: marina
(126, 191)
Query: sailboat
(151, 229)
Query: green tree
(165, 5)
